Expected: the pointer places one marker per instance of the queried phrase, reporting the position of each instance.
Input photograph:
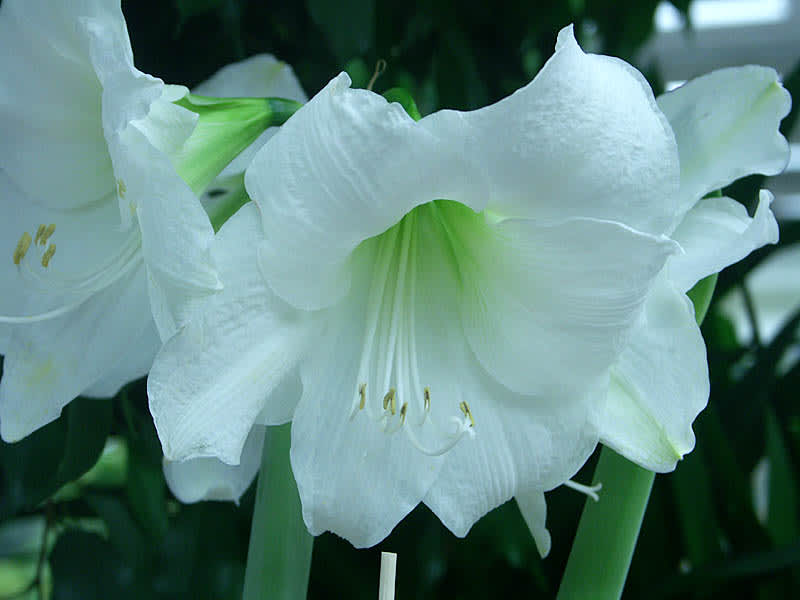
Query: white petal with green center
(726, 126)
(583, 139)
(209, 384)
(658, 385)
(533, 507)
(211, 479)
(348, 169)
(718, 232)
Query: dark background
(120, 534)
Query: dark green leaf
(782, 522)
(87, 567)
(349, 25)
(190, 8)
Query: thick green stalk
(279, 557)
(608, 530)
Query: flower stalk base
(607, 533)
(279, 556)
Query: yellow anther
(389, 402)
(362, 394)
(39, 232)
(48, 254)
(22, 247)
(121, 188)
(403, 410)
(48, 231)
(467, 412)
(426, 395)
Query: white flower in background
(435, 304)
(94, 212)
(258, 76)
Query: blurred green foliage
(117, 532)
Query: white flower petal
(559, 297)
(658, 385)
(345, 168)
(134, 364)
(50, 112)
(167, 126)
(261, 75)
(175, 230)
(49, 363)
(718, 232)
(209, 382)
(533, 507)
(127, 92)
(519, 442)
(211, 479)
(726, 126)
(583, 139)
(30, 288)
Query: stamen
(426, 394)
(121, 188)
(389, 402)
(403, 410)
(46, 233)
(39, 233)
(22, 247)
(467, 413)
(590, 491)
(48, 254)
(362, 394)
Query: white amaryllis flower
(449, 294)
(258, 76)
(94, 213)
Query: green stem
(608, 530)
(279, 557)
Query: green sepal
(225, 127)
(701, 295)
(402, 97)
